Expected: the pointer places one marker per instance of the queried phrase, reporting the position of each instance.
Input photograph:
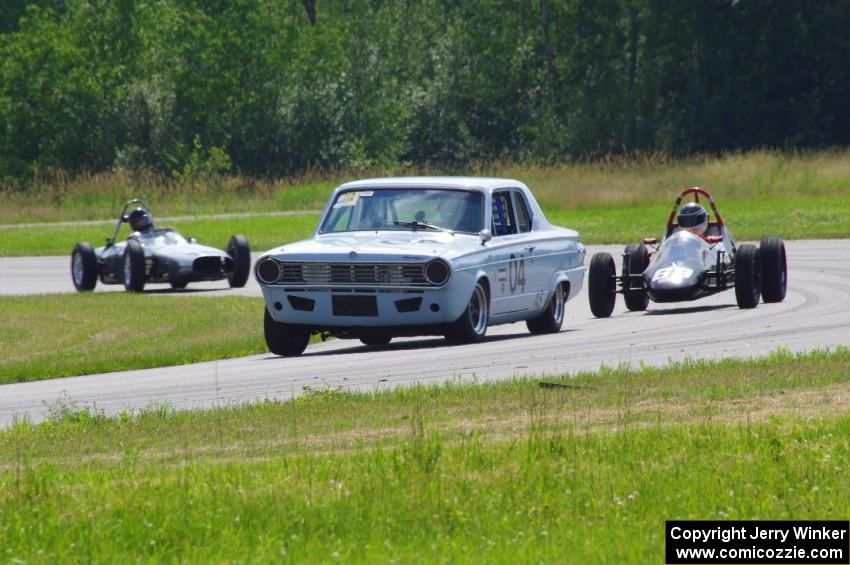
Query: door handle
(529, 248)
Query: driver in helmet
(140, 220)
(693, 218)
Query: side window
(523, 218)
(503, 214)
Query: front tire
(286, 340)
(84, 267)
(240, 252)
(550, 321)
(747, 276)
(638, 257)
(774, 269)
(134, 267)
(602, 285)
(471, 326)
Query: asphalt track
(814, 315)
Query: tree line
(277, 87)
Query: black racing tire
(134, 267)
(286, 340)
(552, 317)
(376, 340)
(747, 276)
(638, 257)
(774, 269)
(240, 252)
(602, 285)
(471, 326)
(84, 267)
(179, 285)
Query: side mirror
(485, 235)
(191, 240)
(714, 239)
(650, 240)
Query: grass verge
(48, 336)
(812, 218)
(495, 473)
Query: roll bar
(123, 217)
(696, 191)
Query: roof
(485, 183)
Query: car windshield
(405, 209)
(681, 246)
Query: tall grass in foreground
(495, 473)
(610, 181)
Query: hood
(390, 245)
(680, 262)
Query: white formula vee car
(696, 258)
(421, 256)
(151, 255)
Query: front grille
(348, 274)
(207, 266)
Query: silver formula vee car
(151, 255)
(696, 258)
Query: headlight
(437, 272)
(268, 271)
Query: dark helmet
(140, 219)
(693, 217)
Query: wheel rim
(478, 310)
(77, 269)
(128, 270)
(558, 304)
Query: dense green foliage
(258, 87)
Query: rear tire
(602, 285)
(471, 326)
(747, 276)
(84, 267)
(286, 340)
(774, 269)
(376, 340)
(240, 252)
(638, 257)
(134, 267)
(550, 321)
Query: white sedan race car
(421, 256)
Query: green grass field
(47, 336)
(787, 194)
(825, 217)
(458, 473)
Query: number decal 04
(516, 274)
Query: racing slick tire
(240, 252)
(376, 339)
(602, 285)
(134, 267)
(286, 340)
(747, 276)
(550, 321)
(471, 326)
(638, 257)
(84, 267)
(774, 269)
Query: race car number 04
(516, 273)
